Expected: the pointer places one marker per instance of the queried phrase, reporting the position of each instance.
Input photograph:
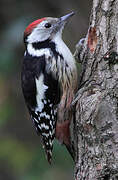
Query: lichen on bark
(95, 128)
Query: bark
(94, 131)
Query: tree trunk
(95, 132)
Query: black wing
(45, 120)
(31, 68)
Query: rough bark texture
(95, 132)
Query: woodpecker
(48, 78)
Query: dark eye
(47, 25)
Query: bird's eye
(47, 25)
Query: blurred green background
(21, 154)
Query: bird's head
(45, 28)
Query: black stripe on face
(47, 44)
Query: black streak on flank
(47, 44)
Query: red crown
(31, 26)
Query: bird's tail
(48, 147)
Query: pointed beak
(66, 17)
(62, 21)
(59, 25)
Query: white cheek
(40, 33)
(36, 36)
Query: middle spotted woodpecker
(49, 79)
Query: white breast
(67, 74)
(64, 50)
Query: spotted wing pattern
(42, 94)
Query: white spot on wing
(41, 88)
(36, 120)
(46, 135)
(51, 112)
(50, 141)
(50, 105)
(51, 124)
(45, 115)
(45, 102)
(42, 114)
(43, 125)
(50, 133)
(52, 117)
(39, 126)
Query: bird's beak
(62, 21)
